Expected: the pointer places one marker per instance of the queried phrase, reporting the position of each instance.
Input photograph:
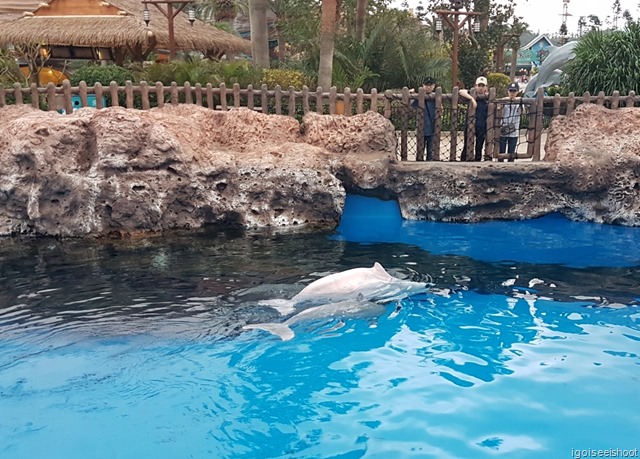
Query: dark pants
(428, 145)
(511, 143)
(481, 136)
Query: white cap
(481, 80)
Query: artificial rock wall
(119, 171)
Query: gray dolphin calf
(345, 293)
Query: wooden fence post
(438, 134)
(128, 92)
(263, 99)
(374, 101)
(66, 90)
(250, 101)
(571, 103)
(538, 124)
(600, 101)
(278, 96)
(236, 95)
(209, 90)
(615, 100)
(347, 101)
(319, 108)
(17, 93)
(557, 102)
(199, 94)
(359, 101)
(453, 151)
(188, 98)
(630, 102)
(422, 106)
(491, 143)
(35, 97)
(113, 90)
(388, 97)
(144, 95)
(305, 100)
(51, 96)
(292, 101)
(175, 99)
(468, 153)
(97, 90)
(160, 94)
(404, 122)
(223, 96)
(332, 100)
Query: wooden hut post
(160, 94)
(66, 90)
(438, 134)
(453, 151)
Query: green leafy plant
(103, 74)
(500, 81)
(605, 61)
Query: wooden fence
(452, 124)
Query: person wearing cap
(480, 119)
(429, 84)
(510, 123)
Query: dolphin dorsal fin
(378, 267)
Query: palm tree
(259, 33)
(329, 19)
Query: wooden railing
(451, 122)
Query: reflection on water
(134, 349)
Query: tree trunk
(259, 33)
(500, 58)
(282, 45)
(361, 18)
(514, 63)
(327, 39)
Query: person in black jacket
(429, 85)
(480, 119)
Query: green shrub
(283, 77)
(103, 74)
(500, 81)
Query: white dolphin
(345, 293)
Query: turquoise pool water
(134, 349)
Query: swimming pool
(527, 346)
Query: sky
(545, 16)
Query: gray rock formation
(118, 171)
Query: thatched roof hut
(114, 24)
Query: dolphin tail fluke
(282, 330)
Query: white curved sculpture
(550, 71)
